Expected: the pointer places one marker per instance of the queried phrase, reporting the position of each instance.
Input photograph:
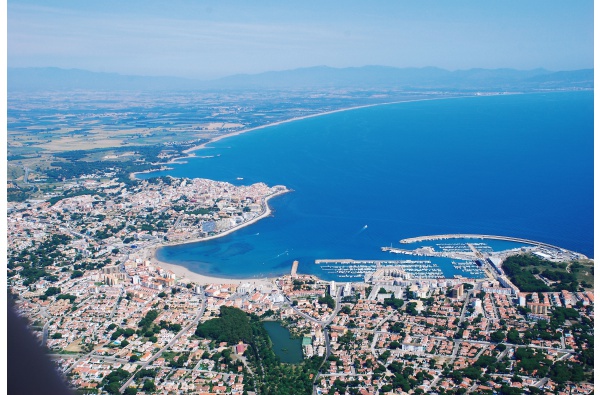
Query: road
(45, 332)
(44, 313)
(461, 319)
(338, 306)
(563, 350)
(376, 332)
(338, 300)
(324, 324)
(159, 352)
(116, 306)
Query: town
(80, 270)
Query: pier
(475, 236)
(294, 269)
(364, 262)
(475, 249)
(350, 268)
(430, 252)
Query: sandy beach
(181, 271)
(190, 151)
(203, 145)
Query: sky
(211, 39)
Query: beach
(335, 197)
(181, 271)
(215, 139)
(190, 151)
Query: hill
(320, 77)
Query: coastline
(204, 279)
(190, 151)
(182, 271)
(265, 213)
(201, 279)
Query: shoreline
(202, 279)
(190, 151)
(205, 279)
(265, 213)
(182, 271)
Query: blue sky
(209, 39)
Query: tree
(513, 336)
(77, 274)
(393, 302)
(149, 386)
(52, 291)
(232, 326)
(497, 336)
(327, 300)
(385, 355)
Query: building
(458, 291)
(538, 308)
(497, 290)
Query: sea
(513, 165)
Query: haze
(206, 40)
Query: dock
(378, 263)
(361, 262)
(350, 268)
(294, 268)
(476, 236)
(428, 253)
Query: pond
(287, 349)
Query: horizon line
(200, 79)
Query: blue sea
(513, 165)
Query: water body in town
(513, 165)
(287, 349)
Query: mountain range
(320, 77)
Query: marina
(469, 267)
(429, 251)
(354, 269)
(303, 221)
(464, 247)
(548, 247)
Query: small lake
(288, 350)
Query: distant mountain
(381, 77)
(321, 77)
(583, 77)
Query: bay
(513, 165)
